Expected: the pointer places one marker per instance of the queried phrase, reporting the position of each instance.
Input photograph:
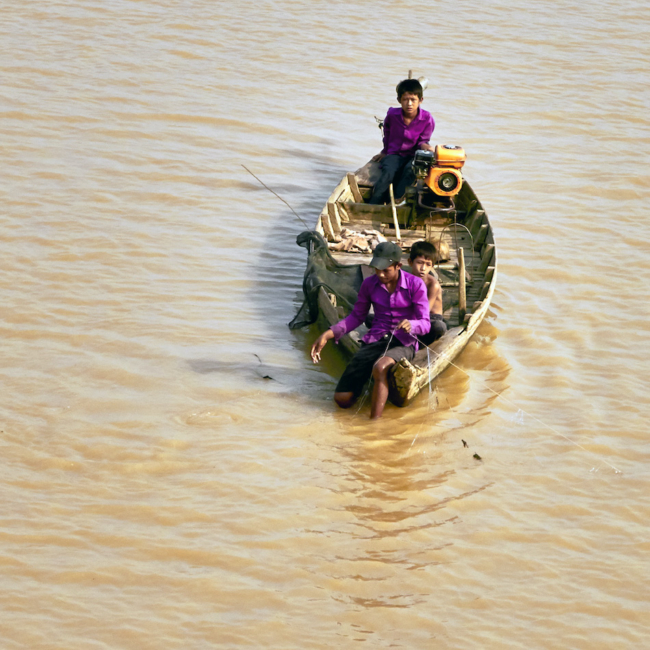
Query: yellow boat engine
(440, 169)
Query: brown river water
(158, 492)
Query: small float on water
(441, 208)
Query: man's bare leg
(380, 389)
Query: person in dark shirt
(401, 310)
(406, 129)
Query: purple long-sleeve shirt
(409, 300)
(405, 140)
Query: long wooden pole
(394, 209)
(462, 297)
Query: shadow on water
(277, 293)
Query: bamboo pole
(462, 297)
(394, 209)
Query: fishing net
(323, 270)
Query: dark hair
(410, 86)
(423, 249)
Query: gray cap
(386, 254)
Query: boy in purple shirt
(401, 313)
(406, 130)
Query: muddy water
(174, 473)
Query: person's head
(422, 258)
(386, 260)
(409, 95)
(412, 86)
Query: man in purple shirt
(406, 130)
(401, 313)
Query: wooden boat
(468, 277)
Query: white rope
(429, 405)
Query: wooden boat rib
(466, 228)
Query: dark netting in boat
(324, 271)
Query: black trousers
(359, 370)
(397, 170)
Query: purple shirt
(405, 140)
(409, 300)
